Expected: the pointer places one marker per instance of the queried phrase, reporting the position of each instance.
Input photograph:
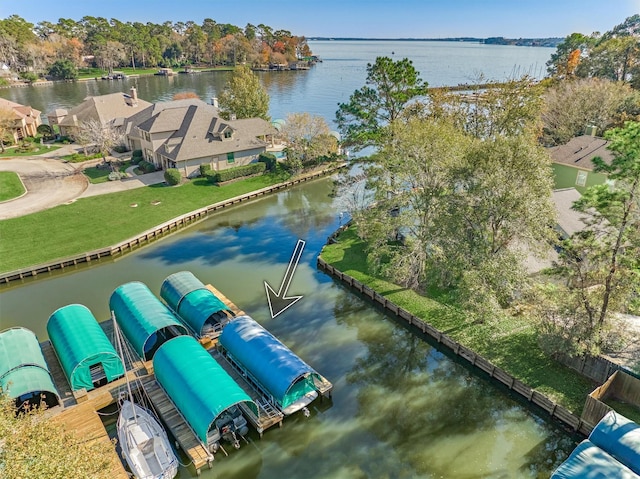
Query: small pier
(174, 421)
(83, 420)
(268, 415)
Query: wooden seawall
(475, 360)
(159, 231)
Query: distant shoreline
(551, 42)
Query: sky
(355, 18)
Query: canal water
(400, 408)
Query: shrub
(146, 167)
(136, 154)
(204, 169)
(29, 77)
(238, 172)
(136, 160)
(268, 159)
(172, 176)
(121, 148)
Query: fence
(596, 368)
(157, 231)
(620, 386)
(553, 409)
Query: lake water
(400, 408)
(320, 89)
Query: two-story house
(185, 134)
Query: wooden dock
(268, 415)
(174, 421)
(83, 420)
(236, 311)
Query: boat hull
(144, 443)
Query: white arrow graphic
(279, 302)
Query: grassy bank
(10, 185)
(91, 73)
(510, 344)
(99, 221)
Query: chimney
(590, 130)
(134, 95)
(214, 102)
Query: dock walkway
(268, 416)
(83, 420)
(174, 421)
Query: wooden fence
(156, 232)
(620, 386)
(475, 360)
(596, 368)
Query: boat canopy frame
(144, 320)
(271, 364)
(198, 386)
(80, 344)
(195, 304)
(23, 369)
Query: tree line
(458, 194)
(107, 44)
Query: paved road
(51, 182)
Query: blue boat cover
(588, 461)
(80, 343)
(283, 374)
(199, 387)
(142, 317)
(620, 437)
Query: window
(581, 179)
(230, 157)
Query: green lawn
(99, 221)
(88, 73)
(10, 185)
(101, 175)
(511, 344)
(38, 150)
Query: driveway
(48, 183)
(51, 182)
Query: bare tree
(104, 137)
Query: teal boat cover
(192, 300)
(199, 387)
(276, 368)
(143, 319)
(19, 347)
(23, 369)
(177, 285)
(80, 343)
(589, 461)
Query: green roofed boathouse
(144, 320)
(24, 374)
(281, 375)
(87, 356)
(203, 392)
(196, 306)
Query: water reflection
(400, 408)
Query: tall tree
(244, 96)
(7, 123)
(390, 87)
(602, 262)
(571, 106)
(499, 209)
(559, 63)
(308, 139)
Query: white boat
(143, 441)
(144, 444)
